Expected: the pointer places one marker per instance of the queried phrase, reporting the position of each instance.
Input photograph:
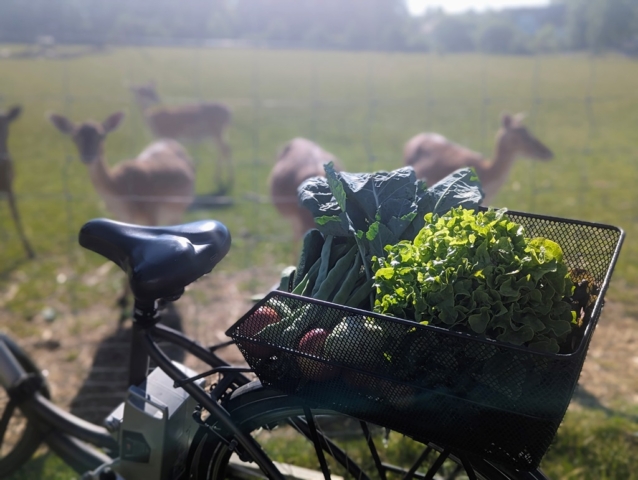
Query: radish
(254, 324)
(312, 343)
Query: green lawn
(360, 106)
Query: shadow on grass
(588, 400)
(103, 390)
(10, 267)
(107, 382)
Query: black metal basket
(484, 397)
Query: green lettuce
(477, 272)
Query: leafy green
(382, 208)
(477, 272)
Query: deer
(194, 122)
(433, 156)
(154, 188)
(7, 174)
(299, 160)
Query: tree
(497, 36)
(546, 40)
(452, 34)
(601, 24)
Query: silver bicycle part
(154, 428)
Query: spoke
(418, 463)
(6, 417)
(335, 451)
(453, 474)
(468, 469)
(373, 450)
(315, 440)
(437, 464)
(394, 469)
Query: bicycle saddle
(159, 261)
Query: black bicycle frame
(74, 439)
(143, 346)
(214, 408)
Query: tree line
(344, 24)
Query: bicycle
(220, 423)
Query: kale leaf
(383, 208)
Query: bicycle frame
(78, 443)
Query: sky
(454, 6)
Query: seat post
(145, 315)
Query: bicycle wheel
(348, 448)
(19, 438)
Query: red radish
(312, 343)
(261, 318)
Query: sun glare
(417, 7)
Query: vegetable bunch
(357, 214)
(477, 272)
(329, 269)
(382, 208)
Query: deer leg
(16, 219)
(224, 174)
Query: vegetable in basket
(357, 214)
(478, 273)
(382, 208)
(314, 343)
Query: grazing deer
(153, 189)
(195, 123)
(299, 160)
(433, 157)
(7, 173)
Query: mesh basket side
(481, 396)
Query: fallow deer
(194, 122)
(433, 157)
(299, 160)
(7, 174)
(155, 188)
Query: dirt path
(85, 354)
(610, 374)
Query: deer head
(5, 119)
(515, 138)
(88, 136)
(146, 95)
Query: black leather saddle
(159, 261)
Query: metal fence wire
(308, 114)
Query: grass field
(360, 106)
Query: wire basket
(480, 396)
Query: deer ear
(506, 120)
(14, 112)
(112, 122)
(61, 123)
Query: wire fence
(377, 123)
(310, 110)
